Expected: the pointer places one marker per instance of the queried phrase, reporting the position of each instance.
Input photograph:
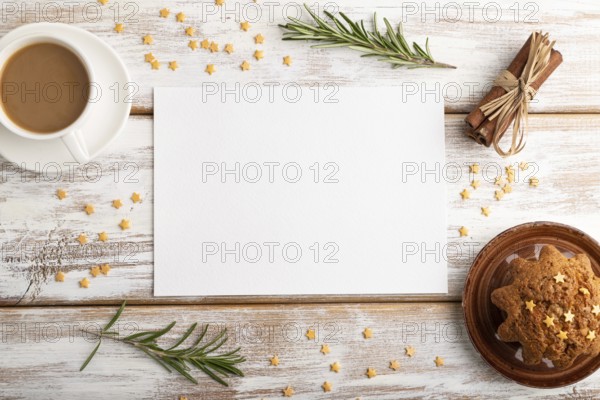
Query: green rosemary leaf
(92, 354)
(115, 318)
(185, 336)
(154, 335)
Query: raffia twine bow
(519, 92)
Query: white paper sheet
(320, 190)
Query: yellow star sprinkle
(523, 165)
(474, 169)
(509, 170)
(510, 178)
(569, 316)
(549, 321)
(105, 269)
(475, 184)
(274, 360)
(499, 194)
(335, 367)
(245, 66)
(591, 335)
(562, 335)
(287, 60)
(310, 334)
(485, 211)
(507, 188)
(164, 13)
(228, 48)
(219, 2)
(259, 54)
(119, 28)
(210, 69)
(173, 65)
(288, 391)
(149, 57)
(463, 231)
(135, 197)
(180, 17)
(584, 291)
(439, 361)
(214, 47)
(117, 204)
(125, 224)
(409, 350)
(596, 309)
(530, 305)
(326, 386)
(82, 239)
(193, 44)
(395, 365)
(368, 333)
(534, 182)
(95, 271)
(148, 39)
(61, 194)
(205, 44)
(325, 349)
(190, 31)
(89, 209)
(155, 64)
(59, 277)
(103, 2)
(465, 194)
(499, 181)
(259, 39)
(559, 278)
(103, 236)
(245, 26)
(84, 283)
(371, 373)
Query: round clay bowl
(490, 271)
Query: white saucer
(109, 115)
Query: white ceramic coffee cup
(72, 135)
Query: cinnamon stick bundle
(479, 127)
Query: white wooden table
(41, 347)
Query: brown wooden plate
(490, 271)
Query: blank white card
(282, 189)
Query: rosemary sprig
(177, 358)
(391, 47)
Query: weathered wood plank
(42, 352)
(38, 231)
(479, 37)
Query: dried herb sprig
(177, 358)
(391, 47)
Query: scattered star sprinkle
(410, 351)
(148, 39)
(205, 44)
(499, 194)
(180, 17)
(287, 60)
(559, 278)
(465, 194)
(105, 269)
(61, 194)
(155, 64)
(119, 28)
(326, 386)
(190, 31)
(368, 333)
(310, 334)
(509, 170)
(485, 211)
(135, 197)
(288, 391)
(210, 69)
(84, 283)
(463, 231)
(475, 184)
(103, 236)
(534, 182)
(591, 335)
(228, 48)
(507, 188)
(82, 239)
(569, 316)
(219, 2)
(59, 277)
(245, 26)
(259, 54)
(499, 181)
(371, 373)
(125, 224)
(259, 39)
(335, 367)
(103, 2)
(439, 361)
(274, 360)
(173, 65)
(214, 47)
(530, 305)
(549, 321)
(245, 66)
(584, 291)
(523, 165)
(395, 365)
(474, 169)
(89, 209)
(325, 349)
(193, 44)
(149, 57)
(164, 13)
(562, 335)
(596, 309)
(95, 271)
(117, 203)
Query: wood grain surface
(41, 345)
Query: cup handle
(76, 145)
